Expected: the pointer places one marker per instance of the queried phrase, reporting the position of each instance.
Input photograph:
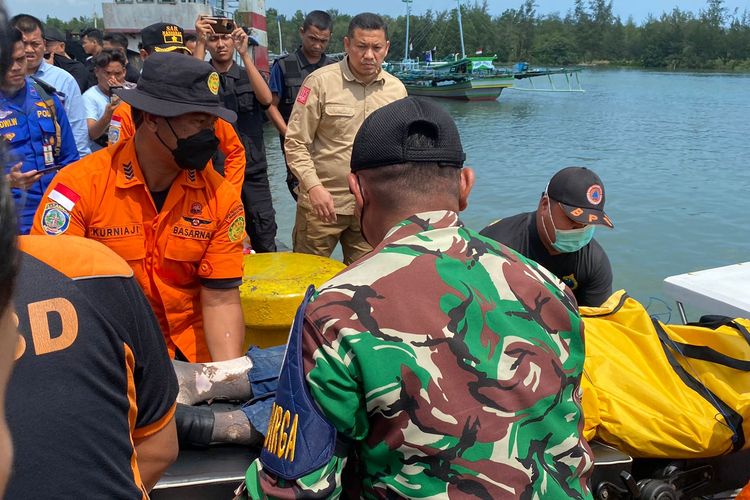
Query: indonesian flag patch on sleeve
(64, 196)
(303, 95)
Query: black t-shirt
(587, 272)
(132, 74)
(93, 372)
(75, 68)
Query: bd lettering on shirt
(45, 339)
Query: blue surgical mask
(569, 240)
(572, 240)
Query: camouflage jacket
(454, 365)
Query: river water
(671, 148)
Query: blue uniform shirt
(26, 124)
(276, 81)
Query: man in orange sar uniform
(150, 198)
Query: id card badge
(49, 158)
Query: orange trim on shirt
(154, 427)
(83, 258)
(132, 414)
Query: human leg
(313, 236)
(253, 375)
(199, 426)
(220, 379)
(260, 216)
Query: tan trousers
(312, 235)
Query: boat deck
(721, 290)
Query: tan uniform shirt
(329, 110)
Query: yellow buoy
(272, 289)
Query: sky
(639, 9)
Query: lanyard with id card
(49, 158)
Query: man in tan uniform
(331, 105)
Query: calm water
(671, 148)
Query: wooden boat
(464, 79)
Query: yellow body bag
(665, 391)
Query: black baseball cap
(173, 84)
(581, 193)
(52, 34)
(164, 37)
(381, 140)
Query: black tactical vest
(294, 74)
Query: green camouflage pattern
(454, 364)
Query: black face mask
(193, 152)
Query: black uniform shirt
(587, 272)
(92, 373)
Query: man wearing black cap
(56, 55)
(434, 365)
(180, 227)
(559, 234)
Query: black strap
(608, 312)
(733, 419)
(706, 353)
(45, 91)
(714, 321)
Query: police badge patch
(55, 219)
(236, 229)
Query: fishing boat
(473, 78)
(465, 79)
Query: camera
(222, 25)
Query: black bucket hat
(173, 84)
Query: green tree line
(589, 32)
(75, 25)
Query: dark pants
(260, 217)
